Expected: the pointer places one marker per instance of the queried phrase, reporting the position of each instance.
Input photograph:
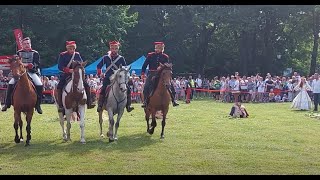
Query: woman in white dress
(302, 101)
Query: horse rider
(64, 64)
(153, 60)
(31, 60)
(112, 60)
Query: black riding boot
(174, 103)
(8, 98)
(89, 103)
(145, 99)
(102, 97)
(39, 99)
(60, 100)
(128, 106)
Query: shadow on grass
(130, 143)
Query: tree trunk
(315, 43)
(268, 54)
(203, 48)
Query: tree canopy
(204, 39)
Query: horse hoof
(161, 137)
(108, 134)
(102, 136)
(17, 140)
(116, 138)
(27, 144)
(150, 131)
(21, 140)
(111, 140)
(83, 141)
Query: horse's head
(165, 73)
(121, 76)
(78, 74)
(17, 67)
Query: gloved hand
(142, 76)
(67, 70)
(99, 72)
(29, 66)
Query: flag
(18, 35)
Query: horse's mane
(113, 76)
(14, 58)
(163, 67)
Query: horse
(160, 99)
(54, 95)
(74, 100)
(116, 101)
(24, 98)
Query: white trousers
(35, 78)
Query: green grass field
(199, 139)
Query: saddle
(68, 79)
(108, 88)
(153, 84)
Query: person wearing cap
(113, 61)
(31, 60)
(153, 60)
(64, 65)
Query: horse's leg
(64, 134)
(147, 116)
(163, 123)
(28, 127)
(82, 110)
(17, 118)
(21, 125)
(117, 124)
(111, 124)
(100, 122)
(68, 113)
(153, 123)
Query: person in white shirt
(52, 82)
(316, 91)
(198, 84)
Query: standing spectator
(198, 84)
(316, 91)
(53, 82)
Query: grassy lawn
(199, 139)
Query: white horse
(74, 100)
(116, 101)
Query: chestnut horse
(24, 98)
(74, 99)
(160, 99)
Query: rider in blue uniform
(112, 60)
(64, 62)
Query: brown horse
(160, 99)
(24, 98)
